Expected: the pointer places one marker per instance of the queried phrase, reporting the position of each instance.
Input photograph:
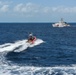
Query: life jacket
(34, 39)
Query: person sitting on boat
(31, 38)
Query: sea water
(56, 55)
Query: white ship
(61, 23)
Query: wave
(31, 70)
(18, 45)
(10, 68)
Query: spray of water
(18, 45)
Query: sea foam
(18, 45)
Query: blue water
(59, 47)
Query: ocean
(55, 55)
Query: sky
(37, 10)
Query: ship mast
(62, 20)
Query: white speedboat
(61, 23)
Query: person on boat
(31, 38)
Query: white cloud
(18, 7)
(59, 9)
(34, 9)
(29, 8)
(64, 9)
(4, 8)
(46, 9)
(26, 8)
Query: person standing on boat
(31, 38)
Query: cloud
(26, 8)
(29, 8)
(34, 9)
(64, 9)
(18, 7)
(59, 9)
(4, 8)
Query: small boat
(61, 23)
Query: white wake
(18, 45)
